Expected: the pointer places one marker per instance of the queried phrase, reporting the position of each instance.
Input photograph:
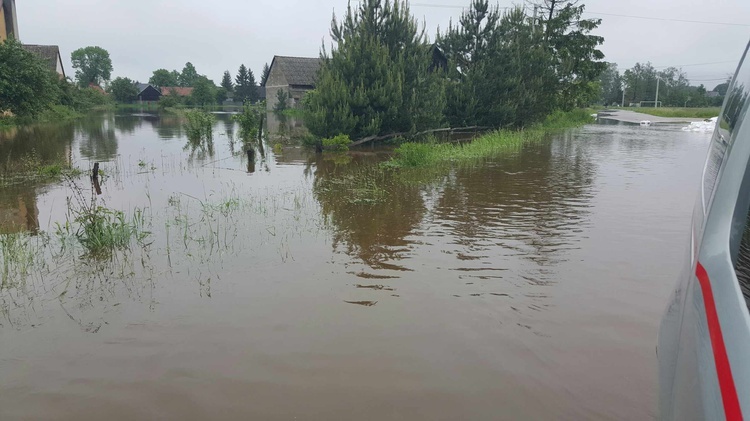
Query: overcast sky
(218, 35)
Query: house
(8, 20)
(97, 88)
(294, 75)
(147, 93)
(50, 54)
(176, 90)
(439, 60)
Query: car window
(732, 115)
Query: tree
(575, 53)
(92, 65)
(610, 84)
(503, 73)
(722, 88)
(265, 74)
(245, 86)
(376, 80)
(640, 83)
(163, 77)
(123, 90)
(204, 91)
(27, 86)
(221, 95)
(282, 99)
(226, 82)
(189, 75)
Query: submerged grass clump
(199, 125)
(98, 229)
(679, 112)
(16, 258)
(31, 167)
(432, 153)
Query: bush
(249, 121)
(415, 155)
(199, 124)
(27, 86)
(337, 143)
(170, 101)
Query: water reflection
(44, 143)
(18, 210)
(531, 205)
(369, 223)
(98, 139)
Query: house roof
(179, 90)
(142, 87)
(49, 53)
(298, 70)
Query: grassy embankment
(431, 153)
(679, 112)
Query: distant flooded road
(525, 287)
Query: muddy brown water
(527, 287)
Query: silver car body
(704, 339)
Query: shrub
(199, 124)
(337, 143)
(249, 120)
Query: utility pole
(623, 97)
(656, 103)
(533, 22)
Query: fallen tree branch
(431, 131)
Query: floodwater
(526, 287)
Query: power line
(695, 64)
(669, 19)
(709, 80)
(451, 6)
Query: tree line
(30, 89)
(639, 84)
(242, 88)
(490, 68)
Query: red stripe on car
(729, 397)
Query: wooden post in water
(251, 160)
(95, 179)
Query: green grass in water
(707, 112)
(432, 153)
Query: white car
(704, 340)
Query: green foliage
(92, 65)
(189, 75)
(171, 100)
(221, 95)
(249, 120)
(123, 90)
(226, 82)
(507, 71)
(163, 77)
(204, 92)
(17, 256)
(81, 99)
(245, 90)
(431, 153)
(674, 87)
(337, 143)
(680, 112)
(282, 102)
(199, 124)
(98, 229)
(610, 85)
(265, 74)
(27, 86)
(376, 80)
